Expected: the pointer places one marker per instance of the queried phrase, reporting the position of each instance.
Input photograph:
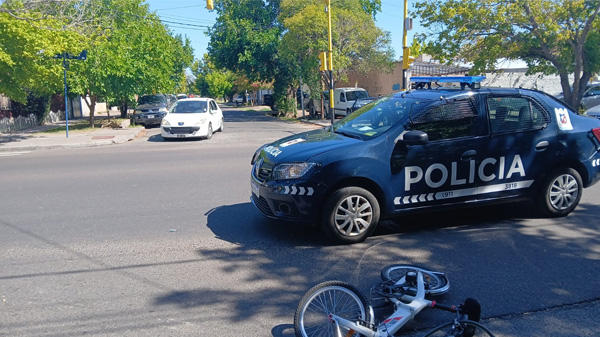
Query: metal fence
(8, 125)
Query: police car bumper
(290, 202)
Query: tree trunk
(92, 106)
(124, 108)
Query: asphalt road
(154, 238)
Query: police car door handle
(468, 155)
(541, 146)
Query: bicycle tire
(337, 297)
(435, 283)
(464, 328)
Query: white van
(344, 99)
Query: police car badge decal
(562, 117)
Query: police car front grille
(262, 171)
(263, 206)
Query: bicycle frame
(404, 313)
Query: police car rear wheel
(350, 215)
(561, 192)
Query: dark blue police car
(429, 148)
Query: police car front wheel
(350, 215)
(561, 192)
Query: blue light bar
(448, 79)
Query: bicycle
(338, 309)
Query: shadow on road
(511, 261)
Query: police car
(429, 148)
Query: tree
(245, 38)
(129, 50)
(26, 56)
(219, 83)
(138, 56)
(553, 37)
(358, 45)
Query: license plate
(149, 116)
(255, 189)
(181, 136)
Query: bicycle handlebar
(451, 308)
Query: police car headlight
(291, 171)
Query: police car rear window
(444, 119)
(512, 114)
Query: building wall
(386, 83)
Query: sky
(190, 18)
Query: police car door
(517, 149)
(441, 170)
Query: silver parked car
(151, 109)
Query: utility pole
(330, 63)
(406, 58)
(66, 56)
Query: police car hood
(303, 146)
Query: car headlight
(165, 122)
(163, 110)
(200, 122)
(291, 171)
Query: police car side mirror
(413, 137)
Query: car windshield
(151, 99)
(183, 107)
(354, 95)
(375, 118)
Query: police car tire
(328, 222)
(553, 181)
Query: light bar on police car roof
(448, 79)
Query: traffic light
(407, 60)
(323, 64)
(209, 5)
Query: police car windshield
(375, 118)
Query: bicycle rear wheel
(435, 283)
(462, 328)
(332, 297)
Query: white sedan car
(192, 117)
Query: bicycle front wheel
(435, 283)
(312, 316)
(462, 328)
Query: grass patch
(83, 125)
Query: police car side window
(446, 120)
(512, 114)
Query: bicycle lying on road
(338, 309)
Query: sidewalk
(35, 138)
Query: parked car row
(591, 96)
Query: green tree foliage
(26, 63)
(199, 71)
(139, 55)
(219, 83)
(129, 50)
(280, 40)
(553, 37)
(358, 45)
(245, 38)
